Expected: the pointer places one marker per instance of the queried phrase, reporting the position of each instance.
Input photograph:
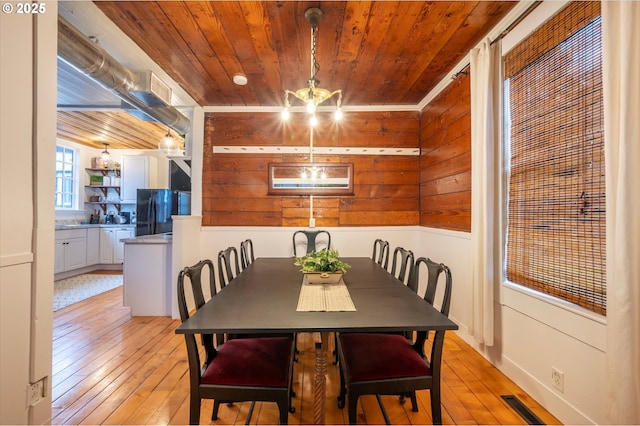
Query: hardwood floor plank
(109, 351)
(123, 388)
(110, 368)
(109, 376)
(155, 402)
(144, 389)
(181, 417)
(455, 407)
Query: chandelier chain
(316, 65)
(313, 95)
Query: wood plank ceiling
(380, 53)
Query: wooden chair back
(380, 253)
(246, 253)
(402, 266)
(310, 241)
(228, 265)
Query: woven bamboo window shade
(556, 207)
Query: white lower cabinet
(106, 245)
(111, 246)
(93, 246)
(70, 250)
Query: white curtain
(621, 79)
(485, 115)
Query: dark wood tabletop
(264, 297)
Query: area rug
(75, 289)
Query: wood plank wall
(386, 188)
(445, 160)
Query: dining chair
(249, 369)
(246, 253)
(246, 258)
(390, 364)
(381, 253)
(309, 239)
(194, 273)
(402, 265)
(228, 265)
(402, 261)
(426, 288)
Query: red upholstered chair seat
(390, 364)
(375, 356)
(251, 362)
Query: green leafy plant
(325, 260)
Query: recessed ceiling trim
(320, 150)
(278, 109)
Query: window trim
(75, 193)
(563, 317)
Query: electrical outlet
(35, 392)
(557, 378)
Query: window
(65, 177)
(555, 137)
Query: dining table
(272, 295)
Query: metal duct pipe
(89, 58)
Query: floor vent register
(522, 410)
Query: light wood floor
(109, 368)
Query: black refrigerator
(155, 207)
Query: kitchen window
(66, 178)
(555, 137)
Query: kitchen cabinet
(111, 246)
(135, 174)
(70, 250)
(93, 246)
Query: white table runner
(324, 297)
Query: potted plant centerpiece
(322, 267)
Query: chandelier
(312, 95)
(105, 156)
(169, 145)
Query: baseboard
(88, 270)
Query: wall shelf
(105, 172)
(104, 189)
(104, 205)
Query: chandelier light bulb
(285, 114)
(304, 174)
(311, 106)
(338, 114)
(313, 121)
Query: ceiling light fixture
(168, 144)
(105, 156)
(312, 95)
(240, 80)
